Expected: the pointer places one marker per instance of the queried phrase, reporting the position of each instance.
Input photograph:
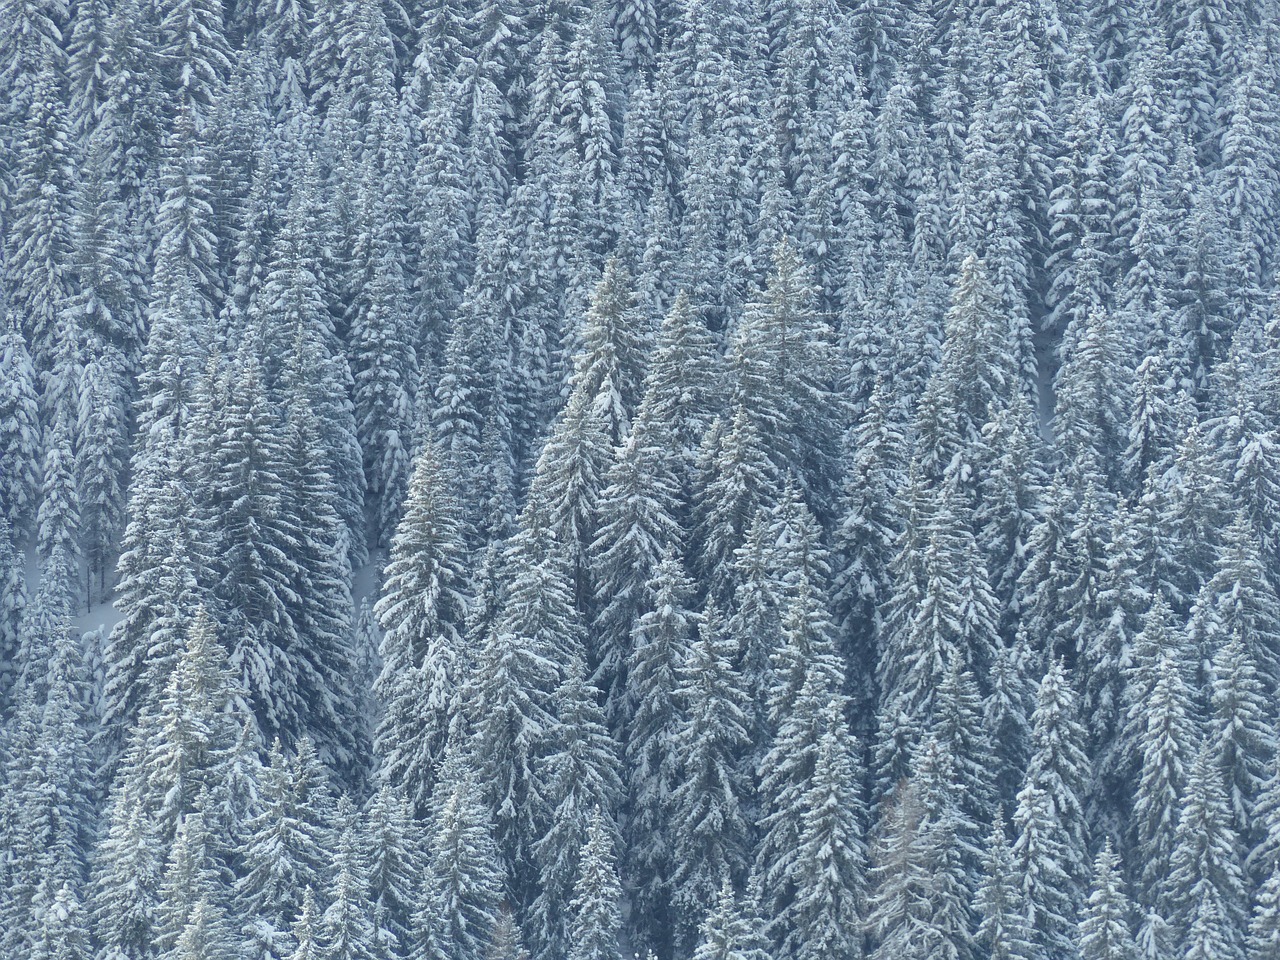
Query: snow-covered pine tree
(101, 458)
(829, 874)
(1240, 733)
(394, 844)
(285, 855)
(580, 774)
(597, 901)
(39, 247)
(462, 885)
(712, 835)
(1105, 931)
(660, 647)
(346, 929)
(1001, 902)
(639, 515)
(1205, 884)
(422, 612)
(58, 518)
(1059, 767)
(511, 705)
(920, 906)
(732, 929)
(19, 428)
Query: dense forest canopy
(707, 479)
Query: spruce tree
(829, 880)
(19, 429)
(463, 881)
(1060, 769)
(346, 927)
(579, 774)
(1206, 889)
(1004, 928)
(712, 836)
(63, 933)
(921, 903)
(731, 930)
(1104, 930)
(1240, 733)
(393, 841)
(596, 904)
(101, 457)
(660, 647)
(39, 248)
(1166, 745)
(511, 703)
(422, 613)
(285, 853)
(638, 517)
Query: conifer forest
(656, 479)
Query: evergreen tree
(192, 875)
(660, 647)
(823, 919)
(102, 428)
(39, 247)
(712, 836)
(58, 519)
(462, 884)
(47, 786)
(780, 367)
(579, 774)
(346, 927)
(524, 659)
(1041, 850)
(1239, 733)
(1060, 768)
(384, 363)
(638, 518)
(63, 933)
(13, 601)
(1104, 930)
(596, 904)
(422, 612)
(193, 51)
(19, 429)
(392, 839)
(285, 854)
(1004, 928)
(205, 937)
(920, 906)
(731, 930)
(1166, 745)
(304, 930)
(1206, 890)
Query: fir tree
(597, 898)
(19, 429)
(462, 884)
(660, 647)
(422, 612)
(1206, 890)
(1001, 902)
(1104, 930)
(711, 835)
(579, 774)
